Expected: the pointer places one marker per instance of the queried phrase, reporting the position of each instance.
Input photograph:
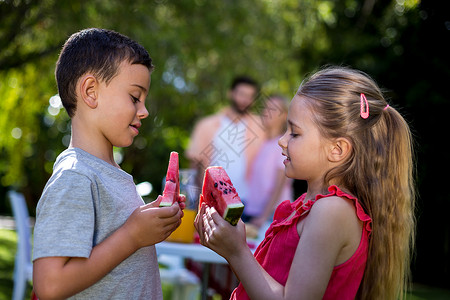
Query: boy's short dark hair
(99, 51)
(244, 80)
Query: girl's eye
(134, 99)
(293, 135)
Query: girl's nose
(142, 112)
(282, 141)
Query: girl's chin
(288, 172)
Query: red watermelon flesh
(219, 192)
(172, 186)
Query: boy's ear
(340, 149)
(89, 90)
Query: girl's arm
(326, 240)
(61, 277)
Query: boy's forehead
(136, 74)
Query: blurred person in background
(268, 185)
(229, 138)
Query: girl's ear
(340, 149)
(89, 90)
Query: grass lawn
(8, 241)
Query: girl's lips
(287, 160)
(135, 127)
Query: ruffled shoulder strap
(333, 190)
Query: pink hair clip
(364, 103)
(386, 107)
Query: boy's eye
(134, 99)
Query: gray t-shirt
(86, 200)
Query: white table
(195, 252)
(201, 254)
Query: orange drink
(184, 233)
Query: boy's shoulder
(74, 162)
(72, 159)
(69, 169)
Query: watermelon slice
(172, 186)
(219, 192)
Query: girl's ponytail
(390, 202)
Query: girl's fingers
(209, 226)
(206, 225)
(199, 225)
(214, 215)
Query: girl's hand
(150, 224)
(219, 235)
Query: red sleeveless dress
(276, 251)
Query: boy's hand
(219, 235)
(150, 224)
(181, 201)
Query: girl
(351, 234)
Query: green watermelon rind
(166, 203)
(233, 213)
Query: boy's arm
(61, 277)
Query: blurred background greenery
(198, 46)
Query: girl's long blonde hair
(379, 171)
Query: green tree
(197, 47)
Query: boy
(94, 237)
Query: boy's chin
(123, 144)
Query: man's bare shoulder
(209, 121)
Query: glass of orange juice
(185, 232)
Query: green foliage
(22, 94)
(198, 46)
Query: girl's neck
(314, 190)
